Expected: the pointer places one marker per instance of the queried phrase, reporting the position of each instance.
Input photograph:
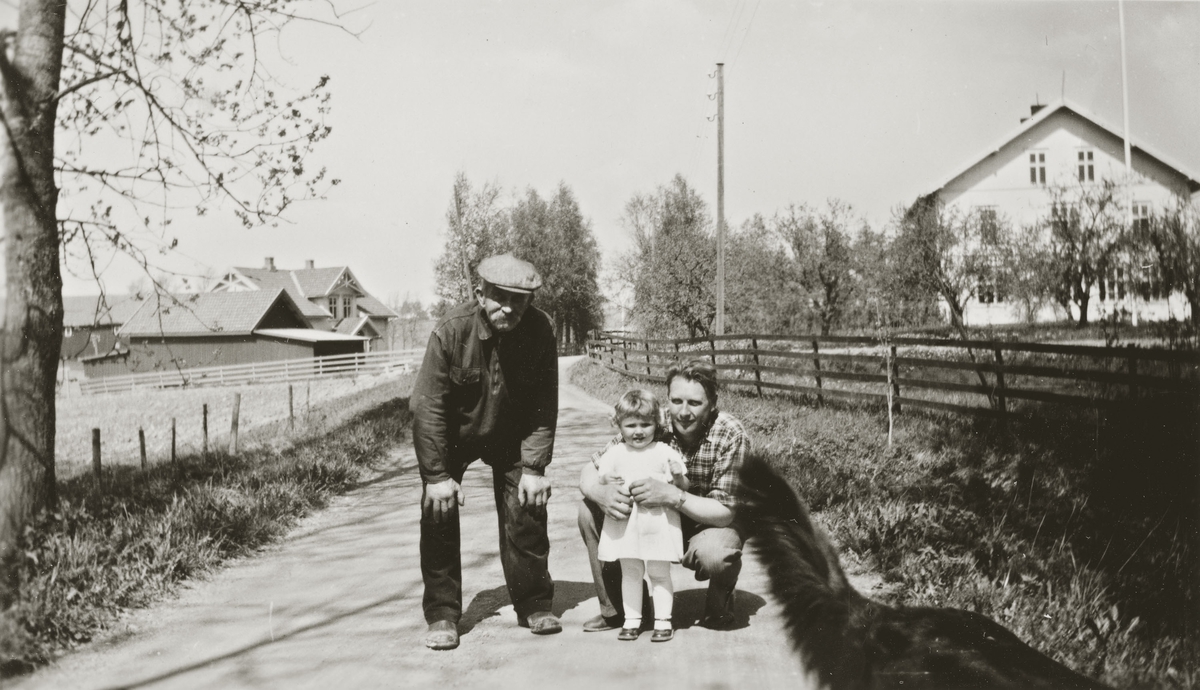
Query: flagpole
(1132, 289)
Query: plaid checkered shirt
(713, 464)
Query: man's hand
(534, 491)
(439, 498)
(613, 498)
(653, 493)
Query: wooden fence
(283, 371)
(979, 377)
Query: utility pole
(720, 326)
(1134, 270)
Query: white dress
(650, 534)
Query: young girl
(650, 539)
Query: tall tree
(556, 238)
(820, 243)
(671, 266)
(476, 228)
(762, 289)
(1087, 232)
(1174, 240)
(944, 252)
(133, 109)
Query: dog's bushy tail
(821, 609)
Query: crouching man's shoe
(602, 622)
(442, 635)
(540, 623)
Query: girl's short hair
(637, 403)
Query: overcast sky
(870, 102)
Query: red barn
(219, 329)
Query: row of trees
(824, 269)
(552, 234)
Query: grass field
(1076, 530)
(101, 552)
(263, 415)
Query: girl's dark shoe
(662, 635)
(628, 634)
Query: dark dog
(850, 642)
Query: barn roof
(304, 284)
(308, 335)
(270, 280)
(208, 313)
(98, 310)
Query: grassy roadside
(102, 553)
(1075, 530)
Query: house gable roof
(306, 284)
(1193, 180)
(210, 313)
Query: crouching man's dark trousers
(524, 550)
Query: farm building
(331, 299)
(219, 329)
(1062, 146)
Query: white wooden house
(1062, 145)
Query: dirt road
(337, 604)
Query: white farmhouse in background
(1063, 145)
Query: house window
(1037, 168)
(988, 290)
(347, 306)
(68, 331)
(333, 306)
(1141, 216)
(989, 225)
(1086, 167)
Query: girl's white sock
(662, 623)
(632, 622)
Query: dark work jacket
(484, 394)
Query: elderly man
(488, 389)
(713, 443)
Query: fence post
(625, 354)
(172, 439)
(757, 374)
(142, 446)
(1001, 400)
(233, 428)
(96, 454)
(204, 427)
(1131, 363)
(291, 411)
(712, 345)
(895, 375)
(817, 367)
(647, 344)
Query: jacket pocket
(464, 376)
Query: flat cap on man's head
(507, 272)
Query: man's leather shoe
(719, 621)
(541, 623)
(442, 635)
(602, 622)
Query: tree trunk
(1083, 302)
(33, 309)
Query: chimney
(1033, 110)
(269, 263)
(308, 263)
